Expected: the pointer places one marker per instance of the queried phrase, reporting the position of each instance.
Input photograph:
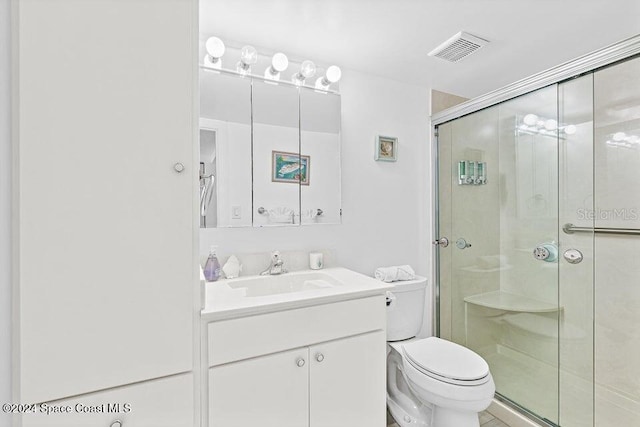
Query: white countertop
(223, 302)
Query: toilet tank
(406, 309)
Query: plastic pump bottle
(212, 266)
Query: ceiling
(391, 38)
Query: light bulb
(248, 56)
(307, 70)
(215, 47)
(550, 124)
(279, 63)
(570, 129)
(619, 136)
(530, 119)
(215, 50)
(333, 74)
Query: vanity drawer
(163, 402)
(242, 338)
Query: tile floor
(486, 420)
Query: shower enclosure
(538, 253)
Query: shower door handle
(443, 242)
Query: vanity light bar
(249, 56)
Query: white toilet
(430, 382)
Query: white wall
(5, 209)
(385, 205)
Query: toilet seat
(446, 361)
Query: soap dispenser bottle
(212, 266)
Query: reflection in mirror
(320, 146)
(277, 165)
(225, 150)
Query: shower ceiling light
(307, 70)
(248, 57)
(215, 50)
(279, 63)
(332, 75)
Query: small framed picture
(386, 149)
(290, 167)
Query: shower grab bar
(570, 229)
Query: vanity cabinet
(318, 366)
(347, 385)
(105, 190)
(268, 391)
(327, 385)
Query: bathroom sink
(260, 286)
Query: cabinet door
(268, 391)
(105, 252)
(166, 402)
(347, 381)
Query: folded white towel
(395, 273)
(281, 215)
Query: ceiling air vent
(458, 47)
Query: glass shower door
(499, 276)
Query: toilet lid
(446, 361)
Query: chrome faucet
(276, 266)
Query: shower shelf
(500, 300)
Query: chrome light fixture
(248, 57)
(332, 75)
(307, 70)
(279, 63)
(215, 50)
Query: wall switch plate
(236, 213)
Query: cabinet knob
(179, 167)
(300, 362)
(116, 423)
(319, 357)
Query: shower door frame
(589, 63)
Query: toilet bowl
(431, 382)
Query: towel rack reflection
(263, 211)
(570, 229)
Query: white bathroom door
(106, 268)
(347, 382)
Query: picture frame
(291, 168)
(386, 149)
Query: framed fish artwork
(290, 167)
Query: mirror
(225, 150)
(269, 153)
(278, 168)
(320, 146)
